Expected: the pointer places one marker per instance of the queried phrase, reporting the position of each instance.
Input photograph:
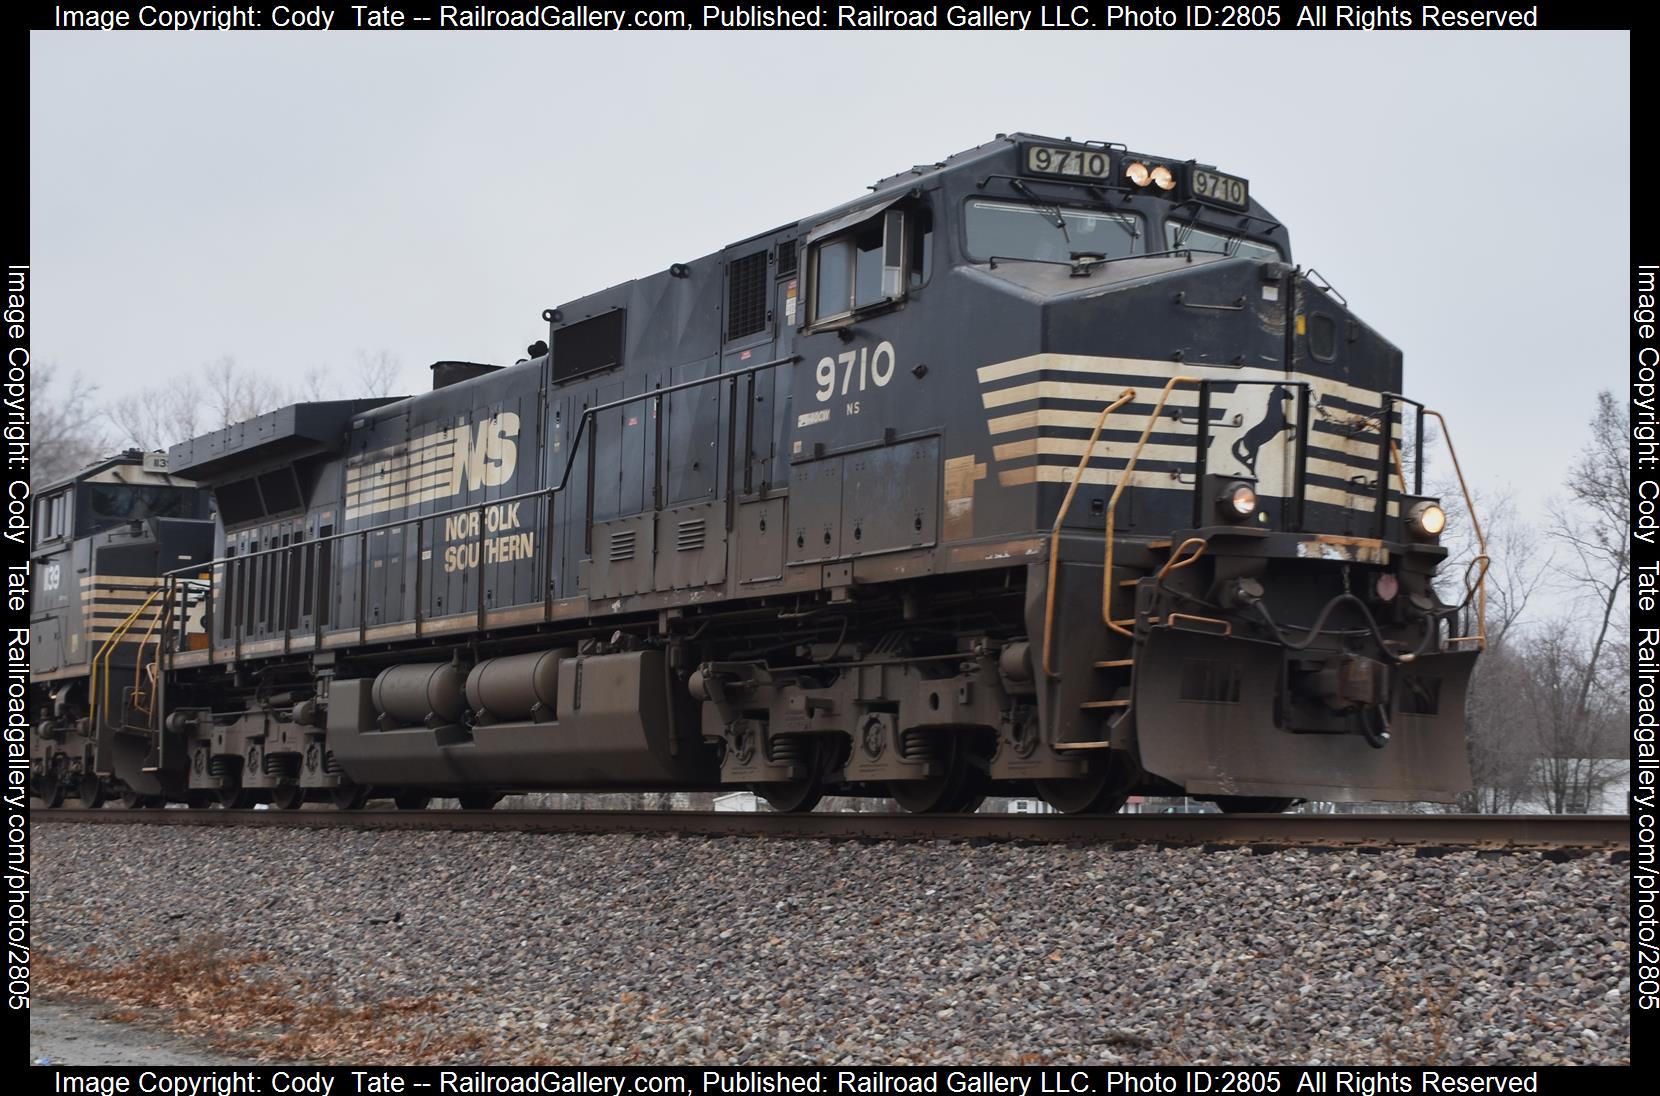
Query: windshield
(1203, 239)
(1009, 230)
(108, 502)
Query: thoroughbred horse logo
(1271, 425)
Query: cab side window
(871, 264)
(52, 517)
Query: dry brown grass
(214, 994)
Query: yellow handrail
(106, 652)
(1112, 504)
(1177, 561)
(1124, 397)
(1481, 542)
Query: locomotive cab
(102, 540)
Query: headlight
(1426, 520)
(1239, 501)
(1164, 178)
(1137, 173)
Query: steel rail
(1443, 831)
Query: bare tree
(1597, 530)
(1575, 721)
(1503, 747)
(156, 417)
(377, 373)
(65, 430)
(236, 395)
(223, 393)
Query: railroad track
(1426, 832)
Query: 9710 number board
(1213, 186)
(1082, 163)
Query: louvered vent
(746, 295)
(786, 258)
(689, 536)
(622, 545)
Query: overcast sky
(295, 200)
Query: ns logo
(487, 455)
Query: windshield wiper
(1044, 207)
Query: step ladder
(1115, 677)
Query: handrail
(106, 652)
(1055, 533)
(138, 663)
(1481, 540)
(1118, 491)
(539, 492)
(1177, 561)
(322, 544)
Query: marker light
(1137, 173)
(1163, 178)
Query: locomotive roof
(124, 459)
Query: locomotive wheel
(198, 799)
(1253, 804)
(348, 797)
(92, 792)
(476, 801)
(238, 798)
(792, 797)
(1094, 794)
(287, 797)
(49, 790)
(411, 801)
(796, 796)
(137, 801)
(958, 789)
(1104, 790)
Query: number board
(1219, 189)
(1078, 163)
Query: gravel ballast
(628, 949)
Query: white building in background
(736, 801)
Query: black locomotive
(1040, 467)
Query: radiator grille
(746, 295)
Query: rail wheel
(478, 801)
(92, 792)
(1253, 804)
(348, 797)
(411, 801)
(238, 798)
(1104, 790)
(795, 796)
(135, 800)
(199, 799)
(287, 797)
(957, 788)
(50, 791)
